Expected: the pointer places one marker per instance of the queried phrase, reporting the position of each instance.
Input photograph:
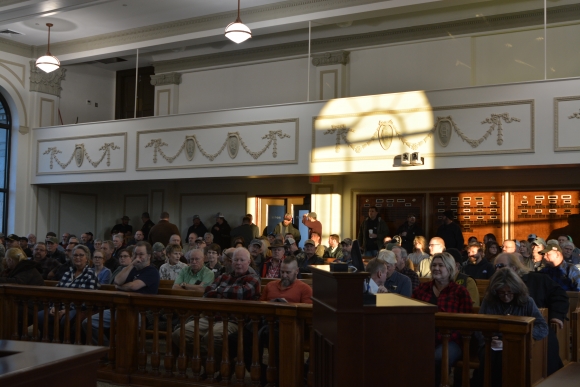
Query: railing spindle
(272, 371)
(89, 331)
(196, 359)
(240, 366)
(311, 361)
(182, 358)
(78, 319)
(225, 366)
(56, 321)
(113, 338)
(101, 328)
(168, 360)
(210, 362)
(155, 358)
(466, 337)
(45, 323)
(24, 336)
(67, 323)
(256, 368)
(487, 366)
(15, 335)
(35, 323)
(142, 356)
(445, 358)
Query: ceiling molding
(199, 24)
(16, 48)
(399, 35)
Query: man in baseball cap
(308, 257)
(538, 245)
(563, 273)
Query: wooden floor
(569, 376)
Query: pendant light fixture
(237, 31)
(48, 63)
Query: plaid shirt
(86, 280)
(243, 287)
(452, 299)
(565, 274)
(412, 276)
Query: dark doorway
(125, 93)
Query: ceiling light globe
(48, 63)
(238, 32)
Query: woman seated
(19, 270)
(506, 295)
(418, 254)
(449, 297)
(212, 252)
(103, 273)
(79, 276)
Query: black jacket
(452, 235)
(199, 230)
(222, 236)
(481, 270)
(547, 294)
(25, 273)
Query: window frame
(6, 177)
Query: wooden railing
(517, 345)
(135, 358)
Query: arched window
(5, 126)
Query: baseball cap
(52, 240)
(346, 241)
(387, 256)
(195, 216)
(456, 255)
(13, 237)
(158, 246)
(313, 215)
(539, 241)
(219, 215)
(532, 237)
(256, 242)
(309, 241)
(552, 247)
(199, 239)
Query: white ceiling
(74, 19)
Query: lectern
(391, 343)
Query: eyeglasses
(79, 255)
(500, 265)
(96, 257)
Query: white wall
(249, 85)
(87, 82)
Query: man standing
(436, 245)
(401, 267)
(244, 231)
(450, 232)
(334, 249)
(477, 267)
(255, 229)
(394, 282)
(286, 227)
(309, 220)
(52, 250)
(563, 273)
(408, 231)
(197, 227)
(509, 246)
(163, 230)
(221, 231)
(372, 231)
(308, 257)
(138, 277)
(147, 225)
(238, 285)
(196, 276)
(123, 227)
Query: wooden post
(126, 357)
(291, 364)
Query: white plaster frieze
(330, 58)
(166, 79)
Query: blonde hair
(15, 254)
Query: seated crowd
(229, 263)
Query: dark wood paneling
(393, 209)
(125, 93)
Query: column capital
(48, 83)
(330, 58)
(166, 79)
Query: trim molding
(16, 48)
(22, 77)
(558, 148)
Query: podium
(390, 343)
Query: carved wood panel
(392, 208)
(545, 213)
(478, 213)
